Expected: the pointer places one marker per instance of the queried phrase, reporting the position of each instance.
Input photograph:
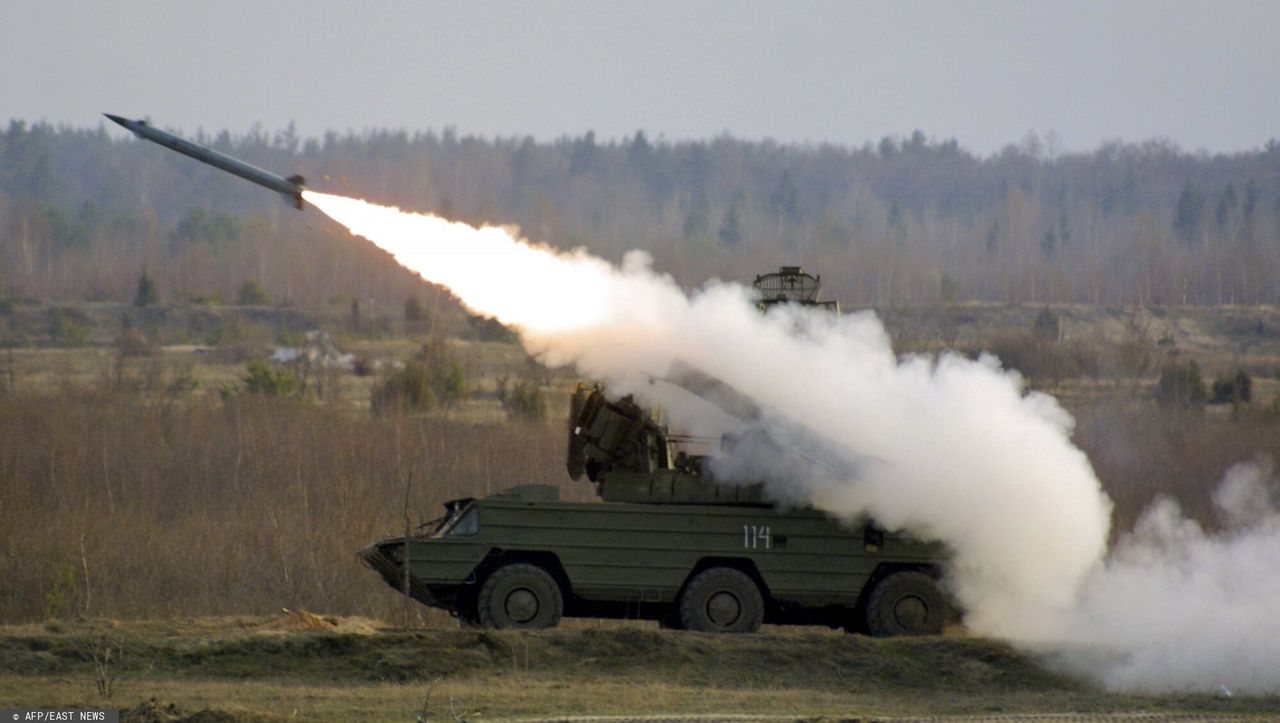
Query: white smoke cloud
(1177, 608)
(955, 449)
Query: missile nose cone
(117, 119)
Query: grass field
(304, 667)
(132, 487)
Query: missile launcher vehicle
(669, 540)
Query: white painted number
(755, 536)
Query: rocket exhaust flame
(963, 454)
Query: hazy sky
(1203, 74)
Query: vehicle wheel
(520, 596)
(907, 603)
(721, 600)
(671, 619)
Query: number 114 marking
(755, 537)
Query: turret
(630, 457)
(790, 285)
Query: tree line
(906, 221)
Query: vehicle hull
(634, 559)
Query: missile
(291, 188)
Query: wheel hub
(723, 609)
(911, 612)
(521, 605)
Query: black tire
(520, 596)
(670, 620)
(721, 600)
(907, 603)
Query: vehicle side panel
(625, 552)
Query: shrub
(432, 377)
(212, 298)
(413, 310)
(948, 289)
(482, 328)
(448, 381)
(262, 378)
(291, 338)
(227, 332)
(252, 294)
(132, 343)
(69, 327)
(1181, 386)
(1042, 360)
(1134, 356)
(1232, 389)
(60, 599)
(145, 295)
(1047, 325)
(405, 390)
(523, 398)
(363, 366)
(233, 331)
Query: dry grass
(503, 697)
(1142, 452)
(126, 492)
(251, 667)
(122, 505)
(126, 495)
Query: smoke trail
(960, 453)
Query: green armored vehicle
(669, 541)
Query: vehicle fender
(745, 565)
(498, 557)
(884, 570)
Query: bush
(1134, 356)
(482, 328)
(404, 390)
(233, 331)
(60, 599)
(146, 294)
(364, 366)
(1232, 389)
(1042, 360)
(69, 327)
(432, 377)
(132, 343)
(1047, 325)
(523, 398)
(413, 310)
(212, 298)
(263, 379)
(448, 381)
(1181, 386)
(227, 332)
(291, 338)
(252, 294)
(948, 289)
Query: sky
(1205, 75)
